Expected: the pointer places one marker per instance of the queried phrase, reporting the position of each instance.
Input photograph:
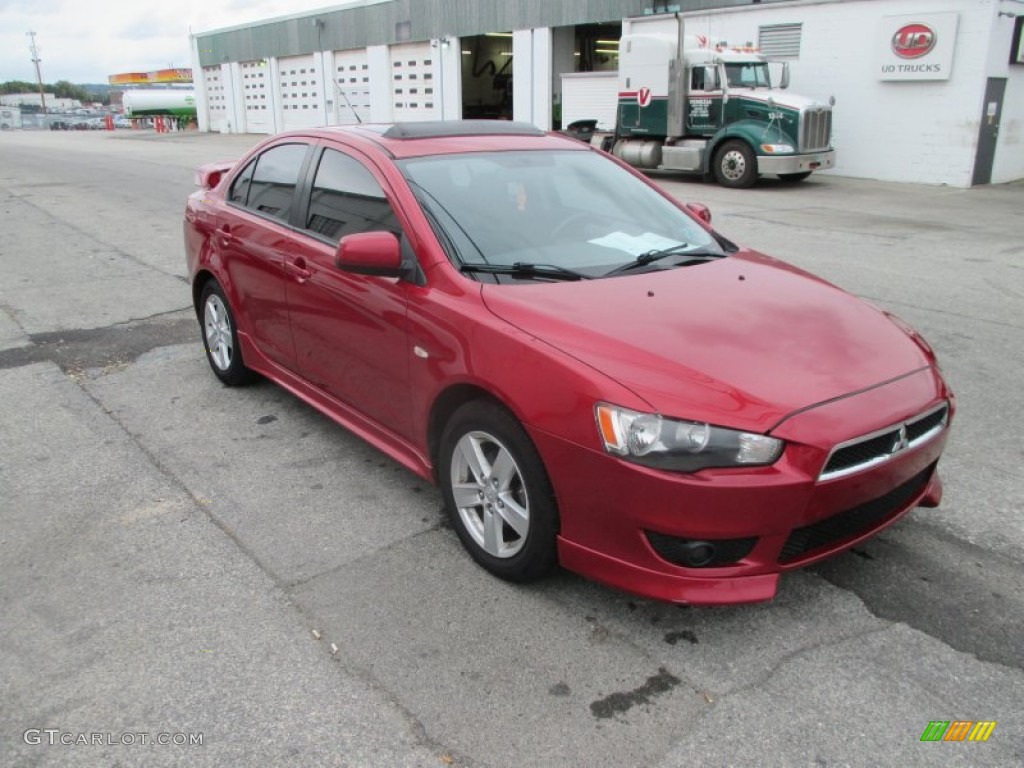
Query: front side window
(571, 209)
(272, 190)
(347, 199)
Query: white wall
(922, 132)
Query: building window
(780, 41)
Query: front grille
(924, 426)
(815, 129)
(878, 447)
(674, 549)
(853, 522)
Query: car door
(350, 330)
(253, 237)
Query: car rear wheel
(735, 165)
(497, 493)
(221, 337)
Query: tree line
(62, 89)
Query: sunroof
(440, 128)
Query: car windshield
(568, 209)
(748, 75)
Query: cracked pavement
(179, 557)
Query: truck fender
(753, 132)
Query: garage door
(259, 109)
(215, 99)
(301, 95)
(352, 82)
(412, 82)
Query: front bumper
(783, 164)
(781, 516)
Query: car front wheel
(497, 493)
(221, 337)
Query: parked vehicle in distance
(591, 372)
(10, 118)
(686, 103)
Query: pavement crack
(89, 235)
(441, 524)
(797, 653)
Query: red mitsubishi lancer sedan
(592, 374)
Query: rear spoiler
(208, 176)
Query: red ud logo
(643, 97)
(912, 41)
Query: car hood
(743, 341)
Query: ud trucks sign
(918, 47)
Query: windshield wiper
(525, 269)
(644, 259)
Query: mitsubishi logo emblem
(901, 441)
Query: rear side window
(240, 186)
(347, 199)
(272, 189)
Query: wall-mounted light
(497, 34)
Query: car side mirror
(370, 253)
(701, 211)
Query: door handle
(298, 269)
(224, 236)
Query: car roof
(442, 137)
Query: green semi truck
(688, 104)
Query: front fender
(753, 132)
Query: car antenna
(345, 97)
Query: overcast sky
(84, 41)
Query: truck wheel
(793, 178)
(735, 165)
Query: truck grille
(870, 450)
(854, 522)
(815, 129)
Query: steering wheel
(564, 224)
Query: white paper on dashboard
(634, 245)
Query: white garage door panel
(413, 90)
(215, 98)
(301, 94)
(256, 97)
(352, 84)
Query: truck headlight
(680, 446)
(776, 149)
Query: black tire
(735, 165)
(519, 553)
(793, 178)
(220, 337)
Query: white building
(953, 114)
(53, 104)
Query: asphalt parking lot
(186, 563)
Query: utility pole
(39, 76)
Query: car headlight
(775, 149)
(680, 446)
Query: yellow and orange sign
(149, 78)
